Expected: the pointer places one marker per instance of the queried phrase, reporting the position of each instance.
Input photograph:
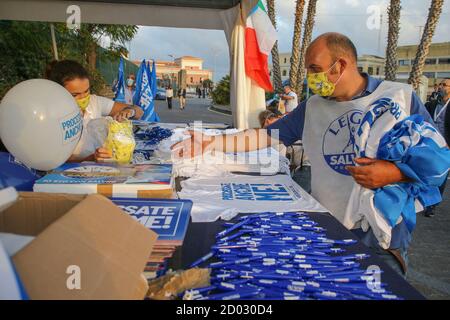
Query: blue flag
(120, 92)
(153, 82)
(144, 95)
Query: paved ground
(429, 254)
(196, 109)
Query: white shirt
(291, 104)
(225, 197)
(169, 93)
(98, 107)
(129, 95)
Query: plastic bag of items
(120, 141)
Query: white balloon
(40, 123)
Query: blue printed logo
(255, 192)
(71, 127)
(339, 141)
(163, 219)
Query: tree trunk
(390, 69)
(424, 46)
(276, 71)
(295, 57)
(92, 56)
(307, 34)
(91, 46)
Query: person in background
(290, 99)
(267, 117)
(75, 79)
(435, 94)
(130, 89)
(169, 96)
(434, 99)
(447, 126)
(442, 105)
(182, 97)
(199, 92)
(439, 117)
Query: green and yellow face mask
(320, 84)
(83, 102)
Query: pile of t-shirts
(215, 164)
(267, 161)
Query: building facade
(285, 66)
(437, 64)
(371, 64)
(170, 72)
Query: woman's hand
(125, 114)
(102, 155)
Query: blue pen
(202, 259)
(233, 296)
(239, 261)
(234, 227)
(237, 234)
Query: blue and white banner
(153, 82)
(120, 92)
(144, 95)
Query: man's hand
(125, 114)
(373, 173)
(102, 155)
(196, 145)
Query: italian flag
(260, 36)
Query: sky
(358, 19)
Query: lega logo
(339, 140)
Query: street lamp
(216, 52)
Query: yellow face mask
(83, 102)
(320, 84)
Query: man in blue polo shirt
(326, 123)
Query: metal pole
(379, 33)
(55, 48)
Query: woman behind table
(72, 76)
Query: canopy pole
(55, 48)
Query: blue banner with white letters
(120, 92)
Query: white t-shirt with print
(98, 107)
(225, 197)
(291, 104)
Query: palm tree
(276, 71)
(390, 69)
(424, 45)
(295, 57)
(307, 34)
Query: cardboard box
(74, 233)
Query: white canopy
(247, 99)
